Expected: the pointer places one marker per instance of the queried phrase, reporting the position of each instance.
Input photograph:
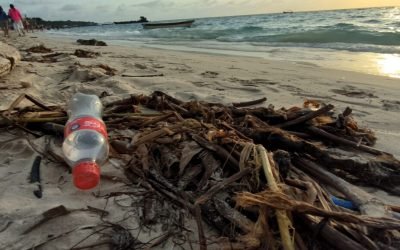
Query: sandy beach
(184, 75)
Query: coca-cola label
(85, 123)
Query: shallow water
(325, 38)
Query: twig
(153, 75)
(168, 97)
(306, 117)
(346, 142)
(333, 236)
(367, 203)
(223, 153)
(249, 103)
(48, 215)
(14, 104)
(41, 119)
(157, 119)
(202, 238)
(222, 185)
(88, 236)
(234, 216)
(103, 242)
(37, 102)
(283, 202)
(160, 240)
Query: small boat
(141, 20)
(187, 24)
(288, 12)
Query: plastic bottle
(85, 144)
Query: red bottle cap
(86, 175)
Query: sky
(120, 10)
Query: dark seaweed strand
(35, 176)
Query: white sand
(214, 78)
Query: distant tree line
(39, 23)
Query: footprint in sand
(200, 83)
(259, 83)
(391, 105)
(183, 69)
(157, 66)
(140, 66)
(351, 91)
(292, 89)
(210, 74)
(253, 82)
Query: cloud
(70, 7)
(160, 4)
(121, 8)
(155, 3)
(102, 7)
(36, 2)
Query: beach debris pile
(91, 42)
(86, 53)
(39, 49)
(260, 177)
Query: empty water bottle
(85, 144)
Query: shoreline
(374, 63)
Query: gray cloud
(160, 4)
(36, 2)
(70, 7)
(121, 8)
(102, 7)
(148, 4)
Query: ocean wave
(203, 34)
(372, 21)
(347, 26)
(335, 46)
(334, 36)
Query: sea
(336, 38)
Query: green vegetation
(39, 22)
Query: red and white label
(85, 123)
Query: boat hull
(186, 24)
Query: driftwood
(368, 204)
(249, 103)
(339, 140)
(220, 186)
(306, 117)
(279, 201)
(150, 75)
(382, 171)
(332, 236)
(201, 157)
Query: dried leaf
(188, 152)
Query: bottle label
(85, 123)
